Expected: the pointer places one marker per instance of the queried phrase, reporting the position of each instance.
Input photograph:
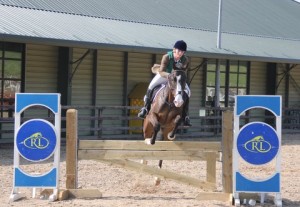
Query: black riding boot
(186, 118)
(147, 103)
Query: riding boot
(186, 118)
(187, 121)
(147, 103)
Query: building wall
(110, 78)
(196, 86)
(81, 86)
(258, 78)
(41, 69)
(41, 76)
(281, 81)
(110, 84)
(139, 69)
(294, 86)
(81, 82)
(258, 72)
(40, 73)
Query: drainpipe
(219, 25)
(217, 89)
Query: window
(237, 80)
(233, 81)
(11, 59)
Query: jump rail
(119, 152)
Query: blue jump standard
(268, 102)
(270, 185)
(24, 180)
(48, 100)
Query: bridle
(178, 76)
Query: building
(95, 52)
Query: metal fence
(121, 122)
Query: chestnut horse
(165, 114)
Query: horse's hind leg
(157, 179)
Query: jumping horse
(166, 110)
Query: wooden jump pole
(227, 146)
(71, 149)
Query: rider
(173, 59)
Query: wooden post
(211, 162)
(71, 149)
(227, 145)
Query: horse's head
(177, 81)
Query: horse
(166, 110)
(165, 114)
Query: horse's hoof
(171, 138)
(144, 162)
(157, 181)
(148, 141)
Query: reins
(197, 69)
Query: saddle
(157, 88)
(155, 91)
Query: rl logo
(258, 144)
(36, 141)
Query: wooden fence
(121, 153)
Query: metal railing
(121, 122)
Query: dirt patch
(122, 187)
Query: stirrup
(143, 112)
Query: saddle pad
(156, 90)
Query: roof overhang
(59, 29)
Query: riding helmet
(181, 45)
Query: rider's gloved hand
(178, 65)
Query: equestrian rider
(173, 59)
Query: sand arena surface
(122, 187)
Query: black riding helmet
(181, 45)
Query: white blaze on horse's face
(178, 98)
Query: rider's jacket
(168, 62)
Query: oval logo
(257, 143)
(36, 140)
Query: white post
(219, 25)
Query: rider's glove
(178, 65)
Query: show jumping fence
(122, 153)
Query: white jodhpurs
(158, 79)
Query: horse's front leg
(156, 129)
(171, 134)
(152, 129)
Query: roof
(263, 30)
